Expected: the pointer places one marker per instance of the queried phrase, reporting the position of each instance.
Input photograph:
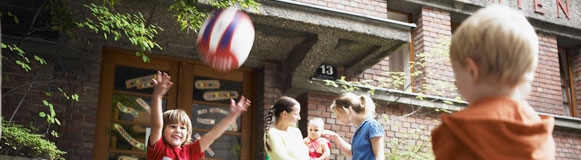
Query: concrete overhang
(297, 35)
(302, 36)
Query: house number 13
(326, 69)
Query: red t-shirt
(315, 148)
(163, 151)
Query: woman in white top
(284, 141)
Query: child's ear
(472, 68)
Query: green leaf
(39, 59)
(16, 19)
(48, 94)
(145, 58)
(75, 97)
(42, 114)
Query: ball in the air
(225, 39)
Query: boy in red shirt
(171, 132)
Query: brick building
(359, 39)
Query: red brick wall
(547, 96)
(77, 129)
(568, 142)
(375, 8)
(433, 28)
(378, 73)
(391, 116)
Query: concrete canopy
(297, 35)
(302, 37)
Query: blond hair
(502, 43)
(359, 104)
(317, 121)
(178, 116)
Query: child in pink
(319, 147)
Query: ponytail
(367, 104)
(267, 127)
(282, 104)
(359, 104)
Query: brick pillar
(547, 96)
(272, 89)
(318, 105)
(433, 28)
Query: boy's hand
(241, 106)
(162, 84)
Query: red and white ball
(225, 39)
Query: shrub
(20, 141)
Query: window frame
(567, 82)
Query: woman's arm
(378, 150)
(341, 143)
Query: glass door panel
(209, 97)
(204, 117)
(131, 117)
(226, 147)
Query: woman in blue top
(368, 138)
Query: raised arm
(162, 83)
(235, 110)
(341, 143)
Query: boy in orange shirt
(494, 54)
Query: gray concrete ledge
(434, 102)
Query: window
(123, 118)
(567, 84)
(399, 60)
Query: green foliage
(15, 18)
(51, 114)
(243, 3)
(132, 26)
(18, 139)
(61, 18)
(409, 143)
(21, 59)
(191, 18)
(407, 82)
(187, 14)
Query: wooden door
(123, 116)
